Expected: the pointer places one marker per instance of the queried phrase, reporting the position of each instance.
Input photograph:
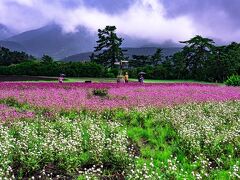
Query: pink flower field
(9, 113)
(76, 96)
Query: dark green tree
(215, 68)
(232, 61)
(139, 61)
(180, 69)
(224, 62)
(92, 57)
(8, 57)
(167, 65)
(108, 47)
(197, 52)
(157, 57)
(47, 59)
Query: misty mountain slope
(5, 32)
(13, 46)
(52, 41)
(167, 51)
(130, 52)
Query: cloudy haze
(154, 20)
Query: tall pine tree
(157, 57)
(108, 50)
(198, 52)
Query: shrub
(233, 80)
(100, 92)
(110, 75)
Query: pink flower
(74, 96)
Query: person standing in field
(60, 79)
(126, 77)
(141, 79)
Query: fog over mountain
(62, 28)
(154, 20)
(128, 52)
(5, 32)
(53, 41)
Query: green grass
(177, 81)
(96, 79)
(83, 79)
(199, 138)
(186, 141)
(93, 79)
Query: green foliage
(110, 75)
(196, 53)
(10, 101)
(112, 72)
(233, 80)
(157, 57)
(78, 69)
(71, 69)
(198, 60)
(103, 92)
(139, 61)
(143, 60)
(8, 57)
(108, 47)
(28, 146)
(188, 141)
(47, 59)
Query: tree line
(8, 57)
(46, 66)
(199, 59)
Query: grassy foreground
(195, 141)
(93, 79)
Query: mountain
(129, 53)
(52, 41)
(12, 46)
(148, 51)
(5, 32)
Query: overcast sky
(155, 20)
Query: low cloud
(154, 20)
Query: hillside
(13, 46)
(5, 32)
(52, 41)
(129, 53)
